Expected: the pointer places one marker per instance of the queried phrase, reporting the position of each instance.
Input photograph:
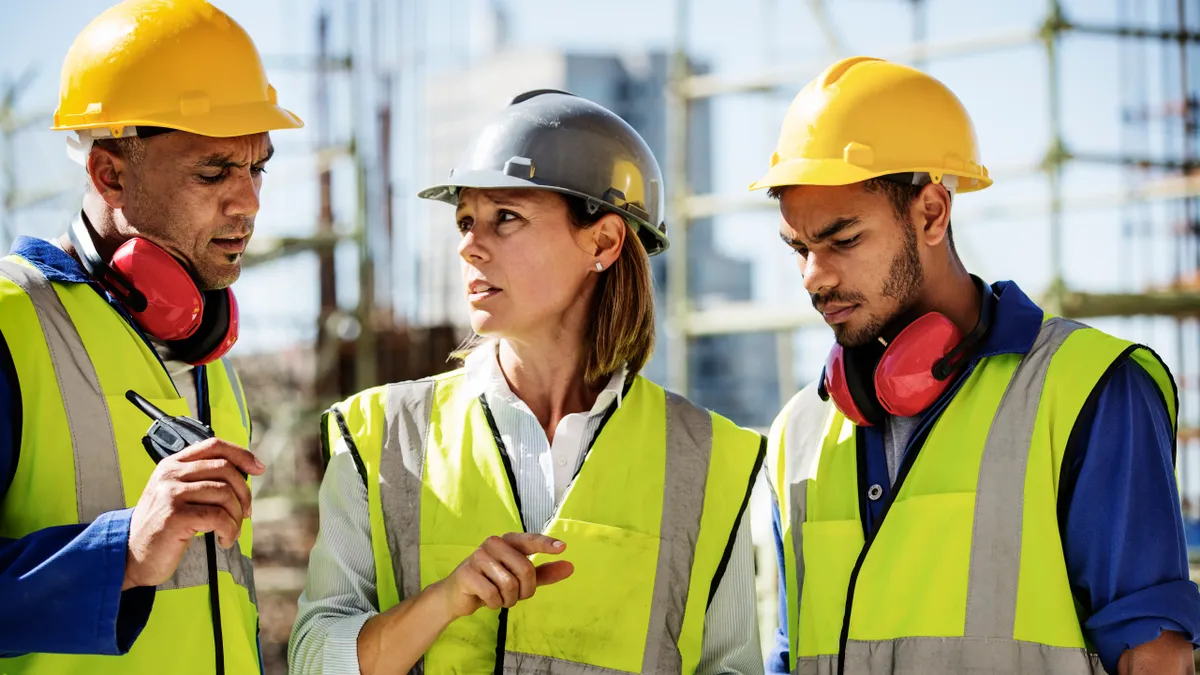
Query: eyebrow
(505, 201)
(830, 230)
(499, 200)
(225, 161)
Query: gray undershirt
(897, 431)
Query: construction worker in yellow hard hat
(971, 485)
(103, 568)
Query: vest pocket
(600, 614)
(830, 551)
(914, 580)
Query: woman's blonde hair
(621, 327)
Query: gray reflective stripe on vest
(803, 432)
(689, 449)
(1000, 494)
(529, 664)
(237, 393)
(193, 568)
(953, 656)
(98, 487)
(409, 407)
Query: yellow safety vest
(649, 523)
(81, 455)
(967, 570)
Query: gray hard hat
(548, 139)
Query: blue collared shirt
(62, 585)
(1123, 539)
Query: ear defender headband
(162, 298)
(903, 377)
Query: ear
(106, 170)
(931, 212)
(607, 238)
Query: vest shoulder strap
(794, 439)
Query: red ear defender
(904, 379)
(162, 298)
(172, 306)
(907, 376)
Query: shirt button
(562, 461)
(875, 492)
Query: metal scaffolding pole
(678, 287)
(1055, 159)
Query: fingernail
(558, 544)
(258, 463)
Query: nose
(243, 199)
(819, 274)
(471, 248)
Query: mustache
(240, 227)
(845, 297)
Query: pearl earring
(599, 266)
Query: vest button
(875, 492)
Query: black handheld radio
(168, 435)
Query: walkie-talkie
(168, 435)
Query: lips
(231, 244)
(835, 314)
(480, 289)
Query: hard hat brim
(831, 172)
(489, 179)
(227, 122)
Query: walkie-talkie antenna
(145, 406)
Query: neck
(953, 293)
(100, 220)
(549, 378)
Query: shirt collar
(53, 262)
(1016, 322)
(484, 376)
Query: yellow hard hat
(177, 64)
(864, 118)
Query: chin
(215, 280)
(486, 324)
(849, 336)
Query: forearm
(1170, 654)
(405, 632)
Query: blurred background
(1086, 114)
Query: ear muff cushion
(860, 378)
(213, 331)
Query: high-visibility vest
(649, 522)
(81, 455)
(967, 569)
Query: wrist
(436, 601)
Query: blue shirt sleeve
(1124, 540)
(62, 585)
(777, 659)
(62, 590)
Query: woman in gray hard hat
(547, 463)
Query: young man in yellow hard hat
(971, 485)
(101, 568)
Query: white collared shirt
(340, 592)
(543, 469)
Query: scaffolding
(1163, 180)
